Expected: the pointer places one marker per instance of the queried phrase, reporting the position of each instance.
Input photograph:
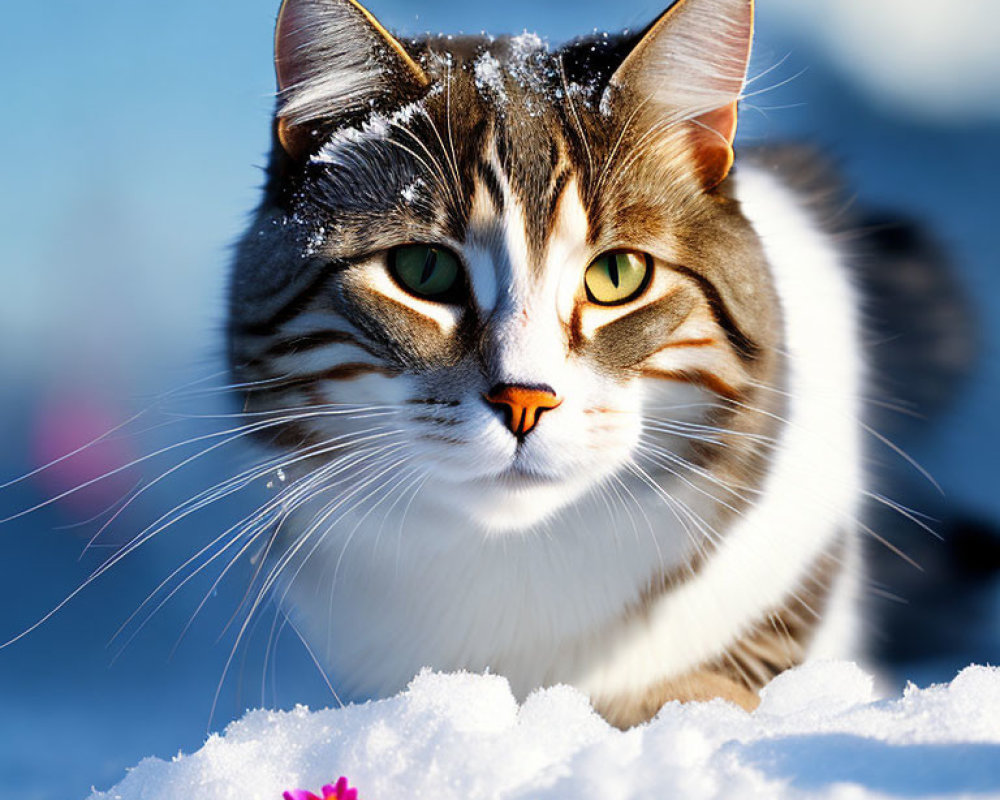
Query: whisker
(889, 545)
(685, 428)
(229, 486)
(248, 522)
(676, 505)
(103, 437)
(320, 477)
(228, 436)
(251, 613)
(618, 482)
(256, 523)
(328, 409)
(660, 461)
(867, 428)
(402, 487)
(290, 554)
(109, 509)
(905, 456)
(780, 63)
(905, 512)
(391, 469)
(323, 517)
(120, 554)
(417, 487)
(315, 661)
(744, 96)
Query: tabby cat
(563, 395)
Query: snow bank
(818, 733)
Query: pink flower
(339, 792)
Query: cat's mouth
(517, 476)
(518, 497)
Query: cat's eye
(618, 277)
(429, 272)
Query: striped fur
(598, 550)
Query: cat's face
(513, 259)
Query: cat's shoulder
(919, 328)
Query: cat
(562, 387)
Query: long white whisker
(321, 478)
(324, 516)
(315, 661)
(663, 463)
(227, 436)
(251, 613)
(287, 498)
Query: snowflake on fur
(339, 791)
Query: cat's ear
(691, 66)
(332, 58)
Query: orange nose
(522, 405)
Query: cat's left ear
(690, 66)
(333, 58)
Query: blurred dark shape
(934, 605)
(943, 616)
(922, 335)
(975, 549)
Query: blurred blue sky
(130, 151)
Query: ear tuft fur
(332, 58)
(690, 67)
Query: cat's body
(640, 477)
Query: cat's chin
(515, 501)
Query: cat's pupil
(429, 265)
(613, 271)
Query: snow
(376, 127)
(410, 192)
(489, 75)
(526, 45)
(819, 733)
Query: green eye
(618, 277)
(429, 272)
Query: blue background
(130, 138)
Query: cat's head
(494, 264)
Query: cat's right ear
(333, 58)
(690, 67)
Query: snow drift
(818, 734)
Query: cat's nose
(522, 405)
